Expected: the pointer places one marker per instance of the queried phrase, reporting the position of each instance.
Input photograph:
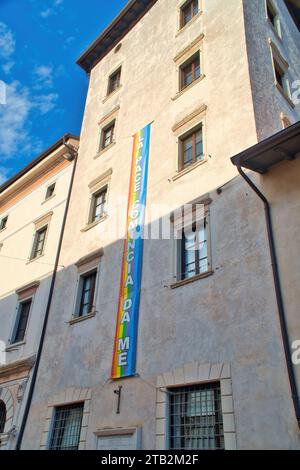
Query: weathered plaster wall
(268, 102)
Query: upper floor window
(188, 11)
(107, 135)
(50, 191)
(191, 148)
(193, 252)
(273, 17)
(21, 322)
(39, 242)
(190, 71)
(195, 417)
(3, 223)
(281, 78)
(98, 205)
(114, 81)
(66, 427)
(2, 416)
(87, 287)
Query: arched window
(2, 416)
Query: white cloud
(43, 76)
(7, 47)
(15, 135)
(3, 177)
(46, 13)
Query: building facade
(212, 78)
(32, 206)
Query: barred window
(2, 416)
(66, 427)
(196, 417)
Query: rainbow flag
(125, 345)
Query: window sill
(35, 259)
(93, 224)
(181, 92)
(98, 154)
(183, 28)
(14, 346)
(191, 279)
(48, 199)
(191, 167)
(111, 94)
(80, 319)
(285, 95)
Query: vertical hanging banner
(124, 356)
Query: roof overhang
(121, 25)
(294, 9)
(285, 145)
(36, 161)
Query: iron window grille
(87, 293)
(107, 135)
(191, 148)
(98, 205)
(190, 71)
(22, 320)
(2, 416)
(114, 81)
(196, 417)
(50, 191)
(188, 11)
(66, 427)
(3, 223)
(39, 242)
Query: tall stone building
(211, 79)
(32, 208)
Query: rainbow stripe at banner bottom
(124, 356)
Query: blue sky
(40, 41)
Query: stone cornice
(17, 367)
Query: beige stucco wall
(230, 317)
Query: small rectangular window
(190, 71)
(22, 320)
(3, 223)
(107, 135)
(50, 191)
(195, 417)
(191, 148)
(66, 427)
(114, 81)
(193, 250)
(273, 17)
(188, 11)
(39, 242)
(87, 293)
(281, 78)
(98, 205)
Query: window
(273, 17)
(98, 205)
(190, 71)
(39, 243)
(3, 223)
(107, 135)
(50, 191)
(196, 417)
(114, 81)
(66, 427)
(87, 293)
(193, 250)
(188, 11)
(2, 416)
(22, 320)
(191, 148)
(281, 78)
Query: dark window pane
(271, 15)
(192, 148)
(2, 416)
(66, 427)
(50, 191)
(22, 320)
(190, 71)
(114, 81)
(3, 223)
(108, 136)
(99, 202)
(196, 417)
(194, 250)
(87, 294)
(39, 242)
(188, 11)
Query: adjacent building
(212, 79)
(32, 208)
